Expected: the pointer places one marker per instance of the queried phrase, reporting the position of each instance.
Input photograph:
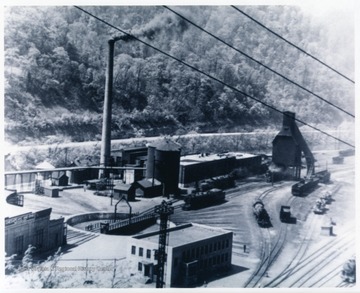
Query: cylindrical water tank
(164, 164)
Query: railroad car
(261, 214)
(304, 186)
(220, 182)
(285, 214)
(324, 176)
(348, 272)
(202, 199)
(338, 160)
(347, 153)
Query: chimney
(106, 127)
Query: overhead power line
(258, 62)
(292, 44)
(206, 74)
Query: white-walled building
(194, 252)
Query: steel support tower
(164, 210)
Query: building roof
(149, 182)
(12, 211)
(204, 157)
(122, 187)
(184, 234)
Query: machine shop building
(194, 253)
(23, 228)
(194, 168)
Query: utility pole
(164, 210)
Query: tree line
(55, 62)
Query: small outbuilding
(149, 187)
(60, 180)
(127, 190)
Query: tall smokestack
(106, 127)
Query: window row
(195, 253)
(141, 252)
(212, 261)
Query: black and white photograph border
(230, 166)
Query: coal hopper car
(261, 215)
(202, 199)
(304, 186)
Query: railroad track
(299, 261)
(270, 249)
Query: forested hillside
(55, 62)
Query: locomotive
(304, 186)
(202, 199)
(261, 214)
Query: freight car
(347, 153)
(304, 186)
(324, 176)
(338, 160)
(220, 182)
(285, 214)
(202, 199)
(261, 214)
(348, 272)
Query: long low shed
(203, 166)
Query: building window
(39, 238)
(218, 259)
(226, 257)
(155, 254)
(222, 258)
(202, 250)
(193, 253)
(206, 249)
(227, 242)
(133, 249)
(141, 251)
(197, 252)
(148, 253)
(223, 244)
(19, 244)
(210, 248)
(140, 266)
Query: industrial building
(288, 146)
(194, 253)
(24, 228)
(194, 168)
